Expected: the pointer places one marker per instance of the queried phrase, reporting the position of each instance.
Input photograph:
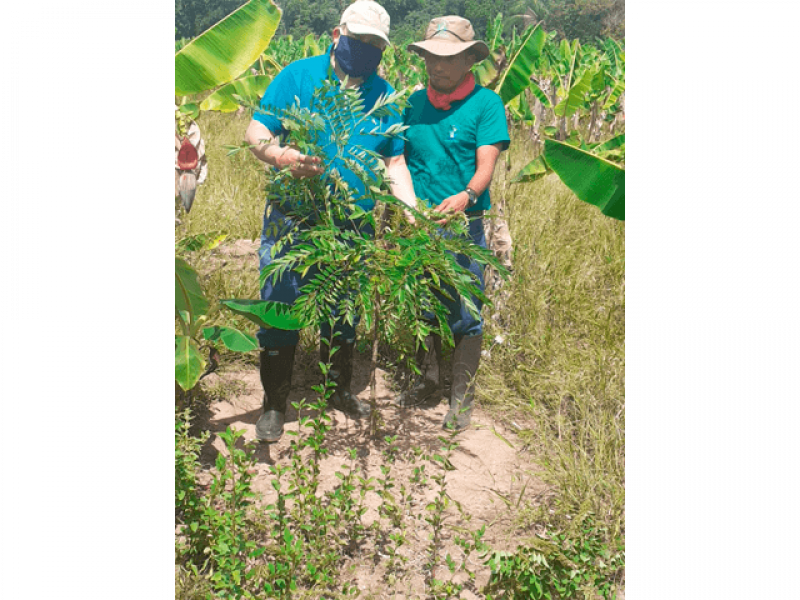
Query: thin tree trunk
(373, 364)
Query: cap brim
(442, 48)
(360, 29)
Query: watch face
(473, 197)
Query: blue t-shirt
(298, 82)
(440, 145)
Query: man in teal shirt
(352, 60)
(456, 131)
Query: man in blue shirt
(456, 131)
(352, 60)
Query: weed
(559, 568)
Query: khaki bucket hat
(448, 36)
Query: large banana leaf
(249, 89)
(223, 52)
(188, 295)
(494, 31)
(265, 313)
(189, 363)
(593, 179)
(517, 76)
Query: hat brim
(442, 48)
(361, 29)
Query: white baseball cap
(365, 17)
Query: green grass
(559, 373)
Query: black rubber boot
(445, 364)
(466, 357)
(342, 373)
(276, 377)
(421, 388)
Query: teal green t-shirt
(440, 145)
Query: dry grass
(559, 372)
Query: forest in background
(585, 20)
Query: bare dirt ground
(493, 477)
(488, 466)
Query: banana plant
(590, 175)
(403, 68)
(222, 54)
(217, 57)
(488, 71)
(191, 308)
(510, 75)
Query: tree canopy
(581, 19)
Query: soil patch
(490, 480)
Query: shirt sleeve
(492, 126)
(280, 94)
(394, 146)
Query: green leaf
(287, 536)
(189, 109)
(232, 338)
(576, 97)
(265, 313)
(614, 94)
(225, 50)
(188, 295)
(249, 88)
(201, 241)
(487, 72)
(615, 142)
(534, 170)
(521, 110)
(593, 179)
(189, 363)
(517, 76)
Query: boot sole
(269, 438)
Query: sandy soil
(488, 466)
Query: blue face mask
(357, 58)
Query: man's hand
(300, 165)
(452, 204)
(263, 145)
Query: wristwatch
(473, 197)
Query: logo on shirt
(453, 130)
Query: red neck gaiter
(442, 101)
